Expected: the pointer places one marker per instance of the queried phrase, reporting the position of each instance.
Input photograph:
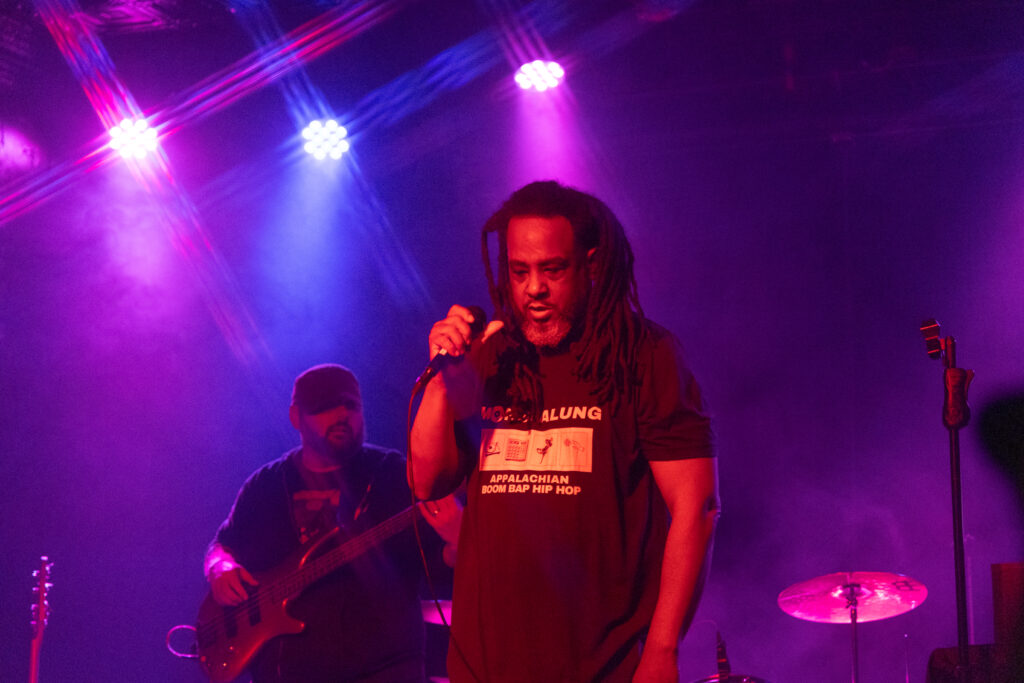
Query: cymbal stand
(955, 415)
(851, 590)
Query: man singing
(592, 486)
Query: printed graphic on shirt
(499, 414)
(315, 511)
(564, 449)
(530, 482)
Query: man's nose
(535, 285)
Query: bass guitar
(228, 638)
(40, 614)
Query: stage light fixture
(539, 75)
(133, 138)
(325, 139)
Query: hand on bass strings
(228, 579)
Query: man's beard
(551, 334)
(345, 446)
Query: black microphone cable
(479, 321)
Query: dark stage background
(803, 184)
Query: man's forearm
(433, 456)
(690, 490)
(684, 568)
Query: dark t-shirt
(561, 544)
(363, 621)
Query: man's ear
(591, 264)
(293, 415)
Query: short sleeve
(673, 420)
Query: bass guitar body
(230, 636)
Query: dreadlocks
(614, 323)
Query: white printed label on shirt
(565, 449)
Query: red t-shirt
(562, 540)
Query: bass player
(363, 622)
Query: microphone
(439, 360)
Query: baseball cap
(323, 387)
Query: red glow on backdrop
(18, 152)
(88, 60)
(34, 189)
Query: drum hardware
(852, 598)
(725, 674)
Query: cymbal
(879, 595)
(731, 678)
(430, 615)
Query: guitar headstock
(41, 606)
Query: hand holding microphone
(450, 338)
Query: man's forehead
(540, 234)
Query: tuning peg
(930, 330)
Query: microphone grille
(479, 320)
